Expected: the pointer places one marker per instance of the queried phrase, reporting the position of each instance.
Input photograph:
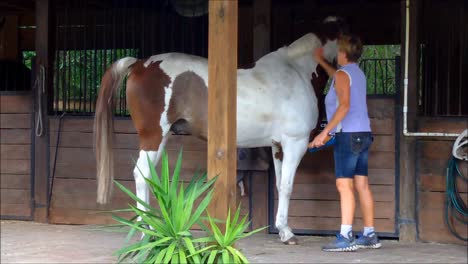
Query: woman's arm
(342, 88)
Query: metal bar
(125, 37)
(75, 47)
(436, 86)
(104, 47)
(448, 88)
(153, 22)
(142, 28)
(85, 51)
(462, 38)
(57, 64)
(79, 50)
(95, 59)
(66, 86)
(375, 79)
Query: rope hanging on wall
(40, 86)
(454, 204)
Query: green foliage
(378, 64)
(380, 51)
(221, 248)
(27, 58)
(78, 75)
(167, 227)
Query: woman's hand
(318, 54)
(319, 140)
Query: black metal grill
(381, 75)
(90, 36)
(443, 54)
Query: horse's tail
(104, 126)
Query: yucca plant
(167, 227)
(221, 247)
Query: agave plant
(167, 237)
(167, 227)
(221, 247)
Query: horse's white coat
(276, 103)
(141, 171)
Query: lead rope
(40, 86)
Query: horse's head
(301, 50)
(331, 29)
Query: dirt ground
(29, 242)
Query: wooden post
(407, 209)
(222, 99)
(41, 140)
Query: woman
(347, 116)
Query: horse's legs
(293, 150)
(142, 171)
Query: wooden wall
(314, 204)
(15, 158)
(74, 191)
(431, 164)
(315, 207)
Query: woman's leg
(347, 201)
(366, 199)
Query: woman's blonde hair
(351, 45)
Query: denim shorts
(351, 152)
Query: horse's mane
(303, 45)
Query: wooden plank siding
(74, 189)
(15, 156)
(432, 161)
(314, 206)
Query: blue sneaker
(369, 241)
(342, 244)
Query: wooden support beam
(222, 99)
(407, 208)
(41, 141)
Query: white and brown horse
(276, 107)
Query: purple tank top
(357, 118)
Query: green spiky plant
(167, 227)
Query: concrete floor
(28, 242)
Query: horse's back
(174, 64)
(273, 99)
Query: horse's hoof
(292, 241)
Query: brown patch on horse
(145, 99)
(188, 108)
(279, 154)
